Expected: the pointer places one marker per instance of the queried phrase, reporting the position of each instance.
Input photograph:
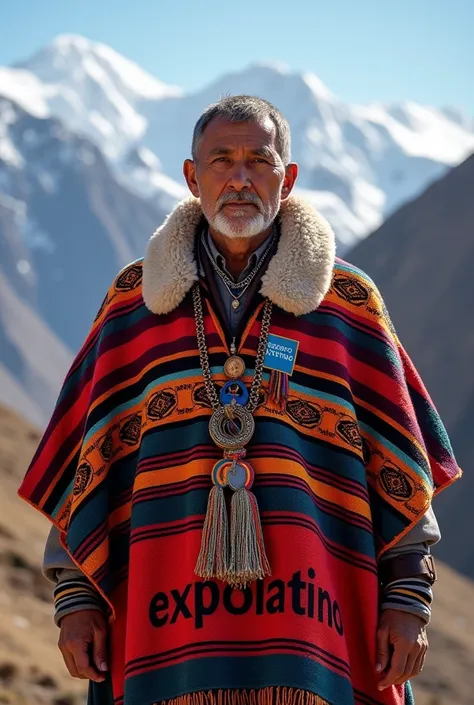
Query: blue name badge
(281, 354)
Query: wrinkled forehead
(221, 134)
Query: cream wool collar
(297, 278)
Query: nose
(239, 179)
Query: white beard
(234, 228)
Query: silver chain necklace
(232, 550)
(204, 357)
(245, 283)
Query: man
(240, 466)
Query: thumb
(99, 649)
(383, 648)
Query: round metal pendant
(234, 367)
(219, 473)
(235, 433)
(234, 391)
(238, 475)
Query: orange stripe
(262, 466)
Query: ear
(189, 171)
(291, 174)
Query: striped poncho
(342, 472)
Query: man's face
(239, 177)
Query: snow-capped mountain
(66, 224)
(357, 163)
(91, 151)
(99, 94)
(33, 361)
(90, 87)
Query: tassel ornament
(248, 560)
(237, 556)
(213, 559)
(279, 388)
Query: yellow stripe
(410, 594)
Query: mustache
(240, 197)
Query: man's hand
(401, 647)
(83, 644)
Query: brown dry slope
(31, 669)
(422, 258)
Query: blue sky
(363, 50)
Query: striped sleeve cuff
(412, 595)
(74, 595)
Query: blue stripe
(183, 436)
(323, 396)
(108, 327)
(239, 672)
(65, 496)
(92, 513)
(359, 337)
(420, 470)
(118, 410)
(193, 503)
(352, 269)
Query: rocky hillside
(31, 668)
(422, 258)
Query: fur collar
(297, 278)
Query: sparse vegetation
(31, 668)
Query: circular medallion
(219, 475)
(240, 475)
(234, 367)
(234, 391)
(231, 433)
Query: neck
(238, 250)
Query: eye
(220, 159)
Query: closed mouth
(239, 204)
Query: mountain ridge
(372, 158)
(422, 259)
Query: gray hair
(243, 108)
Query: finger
(383, 649)
(84, 665)
(420, 662)
(99, 649)
(397, 665)
(70, 663)
(410, 666)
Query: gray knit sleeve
(72, 592)
(413, 595)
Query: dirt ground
(31, 667)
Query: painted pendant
(231, 427)
(236, 475)
(234, 391)
(234, 367)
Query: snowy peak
(276, 82)
(90, 87)
(357, 162)
(75, 59)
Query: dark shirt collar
(219, 259)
